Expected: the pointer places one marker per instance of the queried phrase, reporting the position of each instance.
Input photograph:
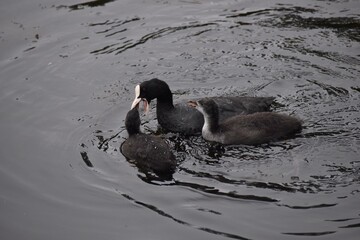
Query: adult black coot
(184, 119)
(251, 129)
(149, 153)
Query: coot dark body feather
(184, 119)
(251, 129)
(149, 153)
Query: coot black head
(151, 89)
(132, 121)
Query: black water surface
(68, 71)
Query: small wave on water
(80, 6)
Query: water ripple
(164, 214)
(231, 194)
(271, 11)
(331, 90)
(113, 24)
(310, 234)
(356, 225)
(289, 17)
(80, 6)
(129, 44)
(310, 207)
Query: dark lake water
(68, 71)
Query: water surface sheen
(68, 71)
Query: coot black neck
(163, 95)
(165, 101)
